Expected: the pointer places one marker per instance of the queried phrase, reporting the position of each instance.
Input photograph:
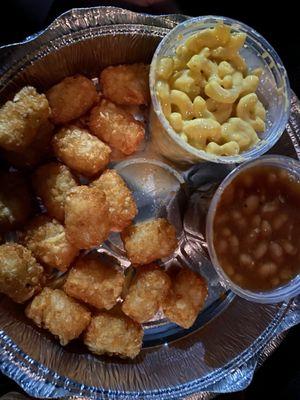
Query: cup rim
(282, 293)
(278, 126)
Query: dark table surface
(279, 377)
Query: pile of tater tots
(59, 199)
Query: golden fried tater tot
(146, 292)
(21, 118)
(149, 241)
(81, 151)
(185, 298)
(126, 84)
(86, 217)
(121, 204)
(116, 127)
(47, 240)
(94, 283)
(63, 316)
(51, 183)
(71, 98)
(20, 274)
(15, 200)
(38, 149)
(114, 335)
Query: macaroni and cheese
(207, 94)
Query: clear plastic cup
(273, 91)
(282, 293)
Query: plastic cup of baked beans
(253, 230)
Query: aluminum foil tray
(231, 336)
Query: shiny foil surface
(231, 336)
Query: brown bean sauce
(257, 228)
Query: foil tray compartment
(222, 350)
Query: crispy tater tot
(20, 274)
(71, 98)
(149, 241)
(121, 204)
(63, 316)
(116, 127)
(114, 334)
(146, 292)
(81, 151)
(126, 84)
(37, 150)
(15, 200)
(21, 118)
(185, 298)
(47, 240)
(51, 183)
(86, 217)
(95, 283)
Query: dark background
(278, 22)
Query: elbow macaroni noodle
(207, 94)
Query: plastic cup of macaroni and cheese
(273, 91)
(252, 230)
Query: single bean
(241, 223)
(275, 281)
(246, 260)
(251, 204)
(285, 274)
(267, 269)
(279, 221)
(236, 214)
(289, 248)
(272, 178)
(241, 194)
(275, 250)
(222, 246)
(260, 250)
(234, 241)
(262, 199)
(238, 278)
(283, 174)
(228, 195)
(221, 219)
(226, 232)
(256, 221)
(228, 268)
(269, 207)
(252, 236)
(248, 181)
(266, 228)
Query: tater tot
(86, 217)
(21, 118)
(114, 334)
(126, 84)
(63, 316)
(51, 183)
(116, 127)
(121, 204)
(185, 298)
(15, 200)
(149, 241)
(47, 240)
(146, 292)
(37, 150)
(81, 151)
(71, 98)
(20, 274)
(95, 283)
